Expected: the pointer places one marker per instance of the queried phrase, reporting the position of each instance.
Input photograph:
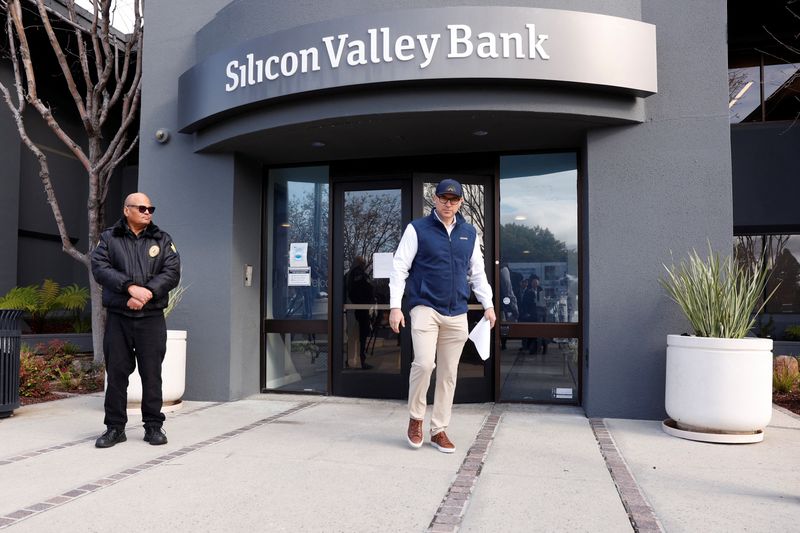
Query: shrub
(784, 373)
(792, 333)
(34, 375)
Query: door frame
(361, 384)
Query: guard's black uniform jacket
(149, 260)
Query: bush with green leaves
(34, 375)
(719, 296)
(41, 301)
(792, 333)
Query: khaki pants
(438, 341)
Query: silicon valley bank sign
(420, 45)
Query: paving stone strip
(21, 514)
(35, 453)
(454, 504)
(640, 513)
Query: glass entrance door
(539, 281)
(369, 360)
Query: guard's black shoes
(111, 437)
(155, 436)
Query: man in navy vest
(438, 259)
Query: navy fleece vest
(438, 274)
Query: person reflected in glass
(437, 261)
(508, 301)
(536, 307)
(361, 291)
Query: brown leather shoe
(442, 443)
(414, 434)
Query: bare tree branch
(113, 92)
(62, 62)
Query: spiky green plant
(175, 297)
(719, 296)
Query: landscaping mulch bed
(55, 395)
(788, 400)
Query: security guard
(137, 265)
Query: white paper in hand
(481, 335)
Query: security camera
(162, 135)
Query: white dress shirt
(404, 257)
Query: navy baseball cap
(448, 186)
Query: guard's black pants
(129, 342)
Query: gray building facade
(648, 170)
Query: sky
(122, 10)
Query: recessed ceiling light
(480, 133)
(520, 217)
(318, 144)
(526, 251)
(286, 225)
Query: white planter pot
(718, 386)
(173, 376)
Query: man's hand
(396, 320)
(140, 293)
(490, 316)
(135, 304)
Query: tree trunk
(98, 318)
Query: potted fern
(718, 382)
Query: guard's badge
(154, 250)
(172, 247)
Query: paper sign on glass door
(382, 265)
(298, 254)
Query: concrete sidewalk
(310, 463)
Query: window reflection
(539, 238)
(371, 225)
(297, 362)
(538, 276)
(781, 87)
(782, 255)
(743, 94)
(548, 375)
(299, 207)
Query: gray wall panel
(195, 195)
(664, 185)
(246, 301)
(9, 190)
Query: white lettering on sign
(380, 46)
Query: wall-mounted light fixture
(162, 135)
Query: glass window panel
(782, 91)
(298, 213)
(297, 362)
(744, 95)
(782, 253)
(539, 238)
(539, 369)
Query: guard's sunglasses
(143, 208)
